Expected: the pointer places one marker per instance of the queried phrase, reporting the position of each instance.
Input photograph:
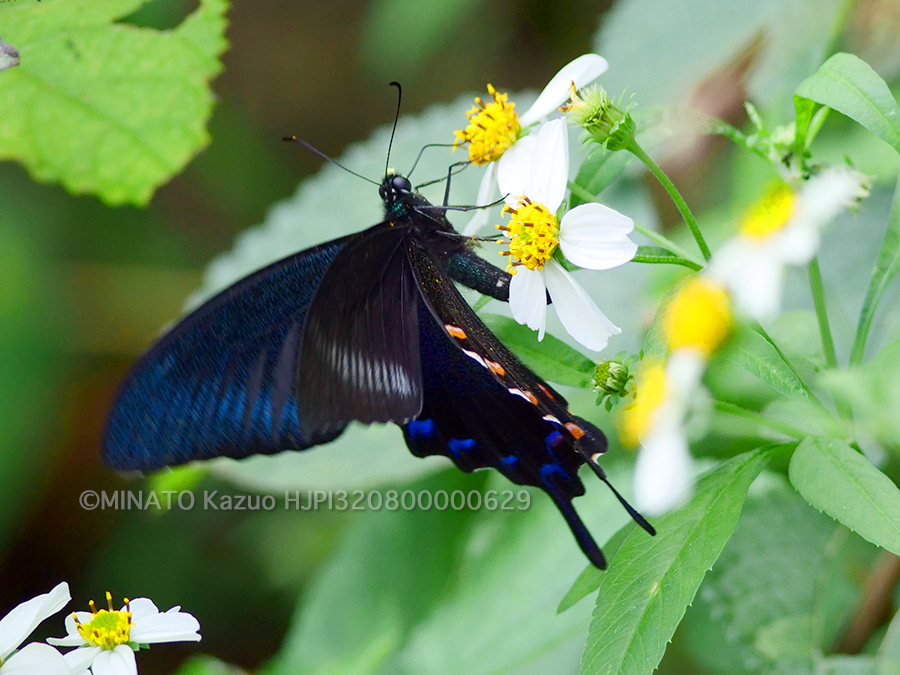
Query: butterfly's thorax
(406, 208)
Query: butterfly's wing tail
(222, 381)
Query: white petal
(752, 274)
(485, 190)
(823, 196)
(24, 618)
(579, 315)
(172, 626)
(141, 608)
(797, 243)
(36, 659)
(582, 71)
(119, 661)
(80, 659)
(514, 169)
(549, 174)
(596, 237)
(662, 473)
(72, 638)
(528, 299)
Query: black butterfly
(370, 328)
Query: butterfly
(368, 328)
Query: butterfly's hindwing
(359, 357)
(483, 408)
(222, 381)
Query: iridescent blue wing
(483, 408)
(223, 380)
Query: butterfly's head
(394, 189)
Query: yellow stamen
(493, 128)
(533, 235)
(106, 629)
(650, 392)
(770, 214)
(699, 317)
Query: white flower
(591, 235)
(105, 638)
(782, 229)
(495, 127)
(15, 627)
(662, 473)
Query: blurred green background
(84, 287)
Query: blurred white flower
(15, 627)
(106, 639)
(781, 229)
(495, 127)
(593, 236)
(696, 323)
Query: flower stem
(666, 260)
(760, 419)
(638, 152)
(818, 293)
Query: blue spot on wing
(222, 382)
(423, 429)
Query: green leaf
(846, 665)
(208, 665)
(650, 583)
(769, 582)
(102, 107)
(391, 569)
(849, 85)
(590, 578)
(752, 352)
(887, 659)
(551, 358)
(840, 481)
(886, 267)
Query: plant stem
(760, 419)
(818, 293)
(666, 260)
(682, 206)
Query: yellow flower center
(533, 235)
(699, 317)
(493, 128)
(650, 392)
(770, 214)
(106, 629)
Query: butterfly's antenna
(638, 518)
(422, 152)
(294, 139)
(387, 163)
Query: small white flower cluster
(532, 173)
(104, 640)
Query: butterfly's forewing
(483, 408)
(222, 381)
(359, 358)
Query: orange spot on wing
(496, 368)
(575, 430)
(547, 391)
(456, 331)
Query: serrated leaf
(650, 583)
(590, 578)
(840, 481)
(752, 352)
(551, 358)
(849, 85)
(107, 108)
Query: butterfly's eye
(401, 184)
(382, 192)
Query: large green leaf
(650, 584)
(752, 352)
(103, 107)
(840, 481)
(849, 85)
